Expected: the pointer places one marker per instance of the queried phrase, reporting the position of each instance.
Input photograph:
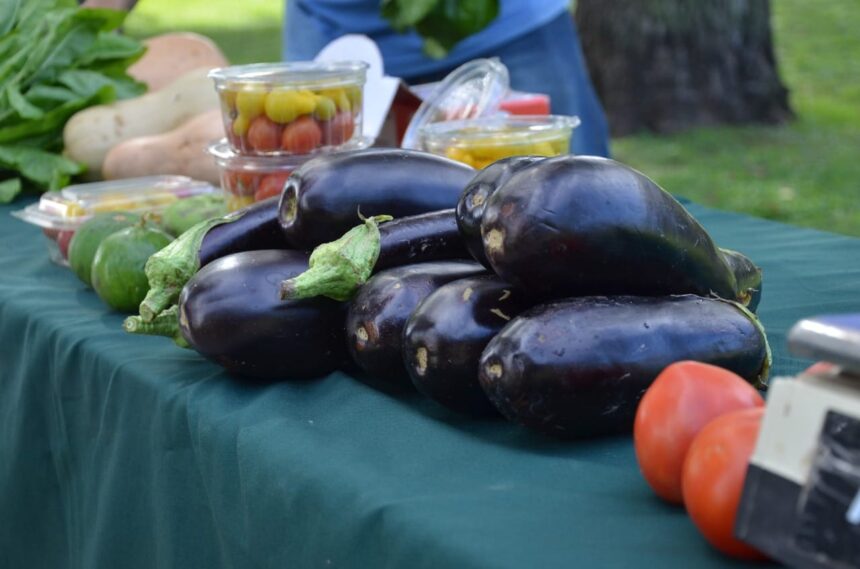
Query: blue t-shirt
(311, 24)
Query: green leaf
(110, 46)
(44, 96)
(9, 189)
(8, 15)
(43, 168)
(24, 108)
(86, 83)
(403, 14)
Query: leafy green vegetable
(55, 60)
(442, 23)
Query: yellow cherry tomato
(240, 125)
(353, 93)
(250, 102)
(306, 102)
(325, 108)
(228, 98)
(282, 105)
(339, 97)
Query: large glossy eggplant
(338, 268)
(379, 311)
(747, 275)
(444, 338)
(230, 313)
(470, 207)
(322, 198)
(249, 229)
(571, 226)
(577, 368)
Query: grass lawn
(805, 173)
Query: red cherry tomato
(713, 478)
(684, 398)
(271, 185)
(241, 183)
(63, 240)
(819, 368)
(264, 135)
(301, 136)
(337, 130)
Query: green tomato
(325, 109)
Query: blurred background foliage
(805, 172)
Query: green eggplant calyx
(165, 324)
(169, 269)
(760, 382)
(336, 269)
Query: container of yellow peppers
(481, 141)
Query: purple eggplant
(322, 199)
(444, 338)
(249, 229)
(572, 226)
(470, 207)
(230, 313)
(379, 312)
(577, 368)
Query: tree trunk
(667, 65)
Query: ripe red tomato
(271, 185)
(684, 398)
(339, 129)
(241, 183)
(63, 240)
(713, 478)
(301, 136)
(264, 135)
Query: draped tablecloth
(120, 451)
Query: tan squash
(169, 56)
(91, 133)
(182, 151)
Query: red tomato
(271, 185)
(713, 478)
(819, 368)
(241, 183)
(301, 136)
(339, 129)
(63, 240)
(684, 398)
(264, 135)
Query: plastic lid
(295, 74)
(474, 89)
(73, 205)
(226, 157)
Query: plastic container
(59, 214)
(475, 89)
(291, 108)
(246, 179)
(480, 142)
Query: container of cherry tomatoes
(59, 214)
(291, 108)
(246, 179)
(481, 141)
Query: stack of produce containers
(278, 116)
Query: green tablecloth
(120, 451)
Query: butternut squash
(169, 56)
(181, 151)
(91, 133)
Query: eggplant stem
(165, 324)
(336, 269)
(169, 269)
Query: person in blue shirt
(535, 39)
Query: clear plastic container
(291, 108)
(247, 179)
(480, 142)
(59, 214)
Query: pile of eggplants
(550, 291)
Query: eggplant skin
(255, 228)
(578, 368)
(322, 198)
(445, 336)
(231, 313)
(473, 200)
(378, 313)
(420, 238)
(575, 226)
